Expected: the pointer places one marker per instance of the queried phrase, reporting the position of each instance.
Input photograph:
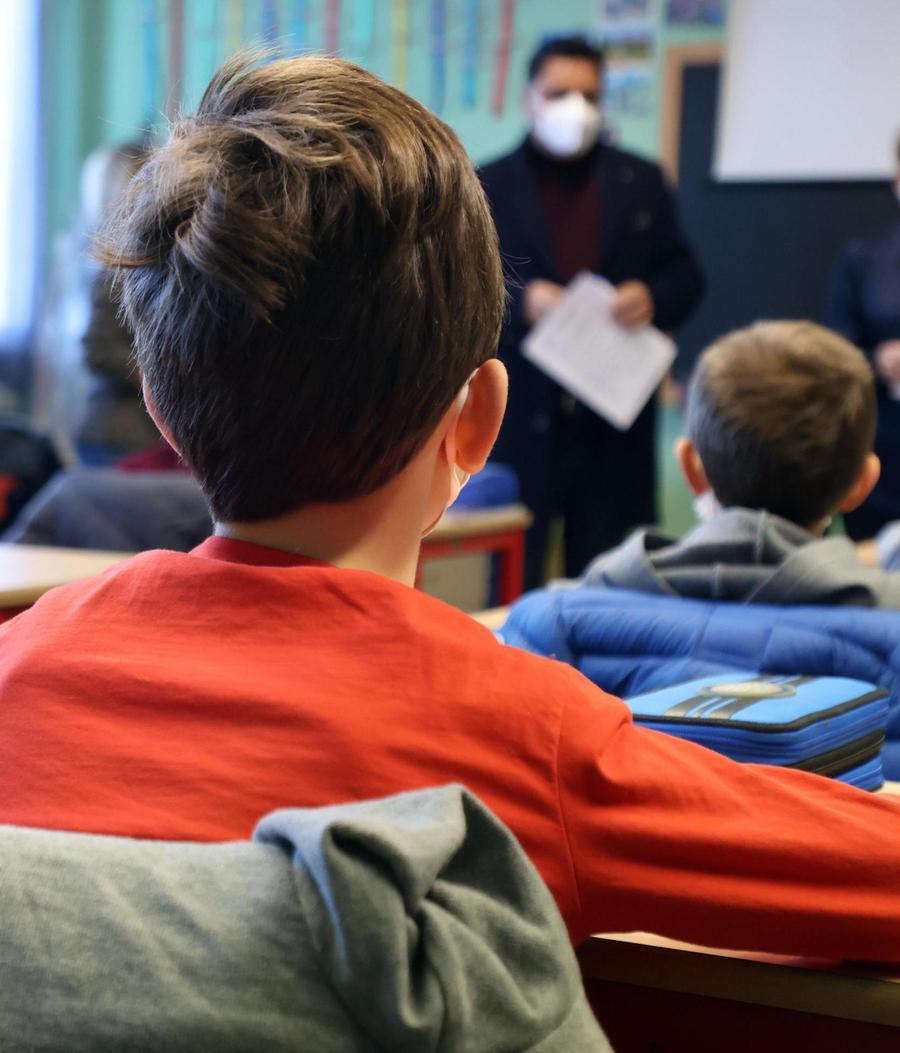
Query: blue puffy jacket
(630, 642)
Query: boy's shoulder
(144, 593)
(530, 677)
(122, 583)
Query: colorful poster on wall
(150, 60)
(471, 36)
(696, 13)
(234, 26)
(176, 58)
(269, 23)
(438, 54)
(632, 44)
(204, 32)
(628, 92)
(331, 30)
(627, 10)
(362, 31)
(630, 71)
(400, 43)
(501, 56)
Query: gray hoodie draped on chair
(413, 923)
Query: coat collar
(526, 207)
(614, 175)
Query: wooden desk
(656, 994)
(801, 985)
(498, 530)
(493, 618)
(28, 571)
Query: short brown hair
(782, 415)
(311, 273)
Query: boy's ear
(691, 466)
(480, 417)
(868, 476)
(155, 417)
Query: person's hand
(541, 297)
(633, 305)
(887, 361)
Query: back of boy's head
(782, 415)
(311, 273)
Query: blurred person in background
(565, 202)
(863, 305)
(113, 422)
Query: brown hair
(311, 273)
(782, 415)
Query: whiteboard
(811, 90)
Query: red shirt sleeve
(672, 838)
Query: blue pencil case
(829, 725)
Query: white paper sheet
(613, 370)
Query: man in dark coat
(563, 202)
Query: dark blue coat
(864, 295)
(631, 642)
(640, 238)
(863, 305)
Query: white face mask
(706, 506)
(568, 126)
(458, 478)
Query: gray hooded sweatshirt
(746, 557)
(409, 924)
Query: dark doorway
(767, 248)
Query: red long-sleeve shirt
(182, 696)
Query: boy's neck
(380, 532)
(708, 508)
(320, 536)
(820, 527)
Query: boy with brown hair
(313, 280)
(780, 425)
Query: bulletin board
(118, 70)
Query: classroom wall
(768, 247)
(113, 67)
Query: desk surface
(457, 525)
(28, 571)
(848, 992)
(493, 618)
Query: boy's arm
(669, 837)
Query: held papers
(613, 370)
